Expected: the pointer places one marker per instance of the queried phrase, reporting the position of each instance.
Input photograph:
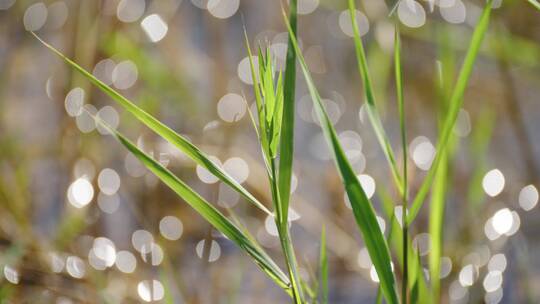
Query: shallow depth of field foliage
(302, 151)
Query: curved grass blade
(535, 3)
(453, 109)
(206, 210)
(162, 130)
(362, 208)
(370, 99)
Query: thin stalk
(455, 103)
(373, 114)
(401, 108)
(284, 237)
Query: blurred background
(82, 221)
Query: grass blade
(286, 148)
(162, 130)
(453, 109)
(401, 109)
(436, 220)
(362, 208)
(323, 268)
(206, 210)
(370, 99)
(534, 3)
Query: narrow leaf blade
(162, 130)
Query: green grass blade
(534, 3)
(401, 109)
(370, 99)
(206, 210)
(167, 133)
(286, 146)
(362, 208)
(454, 105)
(323, 268)
(436, 220)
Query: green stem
(285, 238)
(401, 108)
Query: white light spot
(411, 13)
(56, 262)
(493, 182)
(152, 253)
(382, 223)
(423, 152)
(154, 27)
(237, 168)
(133, 166)
(468, 275)
(80, 193)
(150, 290)
(223, 9)
(125, 261)
(345, 23)
(11, 274)
(215, 250)
(491, 234)
(497, 262)
(85, 121)
(270, 226)
(352, 145)
(35, 16)
(75, 267)
(141, 238)
(456, 13)
(528, 197)
(171, 227)
(109, 117)
(496, 296)
(130, 10)
(458, 293)
(422, 243)
(231, 107)
(493, 281)
(227, 197)
(5, 4)
(368, 184)
(57, 15)
(104, 250)
(306, 7)
(124, 75)
(108, 181)
(446, 267)
(205, 176)
(103, 70)
(373, 274)
(363, 260)
(74, 102)
(244, 69)
(502, 221)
